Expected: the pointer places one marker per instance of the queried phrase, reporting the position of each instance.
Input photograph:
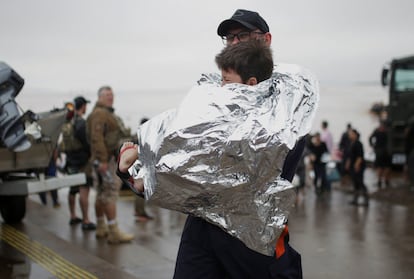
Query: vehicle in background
(27, 143)
(399, 77)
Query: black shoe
(75, 221)
(88, 227)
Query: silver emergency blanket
(219, 155)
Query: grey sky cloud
(70, 45)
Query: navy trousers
(206, 251)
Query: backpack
(69, 141)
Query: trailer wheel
(12, 208)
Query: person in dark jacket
(344, 149)
(378, 140)
(77, 161)
(207, 251)
(356, 167)
(409, 152)
(318, 150)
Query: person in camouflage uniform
(105, 132)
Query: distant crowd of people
(348, 159)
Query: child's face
(230, 76)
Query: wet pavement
(336, 240)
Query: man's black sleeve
(292, 160)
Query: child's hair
(248, 59)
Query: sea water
(339, 105)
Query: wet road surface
(336, 240)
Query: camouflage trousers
(108, 184)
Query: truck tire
(12, 208)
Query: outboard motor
(11, 127)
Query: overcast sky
(134, 44)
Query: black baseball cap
(249, 19)
(79, 102)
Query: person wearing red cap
(207, 251)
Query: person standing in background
(378, 140)
(317, 149)
(344, 144)
(326, 137)
(409, 153)
(51, 171)
(76, 147)
(301, 170)
(356, 167)
(105, 131)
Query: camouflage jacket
(105, 133)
